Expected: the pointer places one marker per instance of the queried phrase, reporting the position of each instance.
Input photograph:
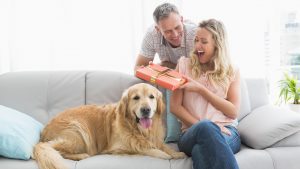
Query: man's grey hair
(163, 11)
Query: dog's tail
(47, 157)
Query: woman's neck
(206, 67)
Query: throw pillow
(267, 125)
(18, 133)
(173, 125)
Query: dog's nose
(145, 111)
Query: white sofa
(270, 136)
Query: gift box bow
(160, 75)
(166, 72)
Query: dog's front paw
(178, 155)
(159, 154)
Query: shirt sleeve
(147, 48)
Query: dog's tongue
(145, 122)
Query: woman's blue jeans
(209, 147)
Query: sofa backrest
(254, 93)
(104, 87)
(43, 94)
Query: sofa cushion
(173, 125)
(267, 125)
(6, 163)
(122, 161)
(18, 133)
(290, 141)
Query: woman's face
(204, 45)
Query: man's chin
(175, 43)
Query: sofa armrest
(268, 124)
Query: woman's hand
(192, 85)
(224, 129)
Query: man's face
(172, 29)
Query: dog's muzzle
(145, 121)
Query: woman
(208, 104)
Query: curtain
(71, 34)
(93, 35)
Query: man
(170, 37)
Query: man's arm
(144, 61)
(141, 61)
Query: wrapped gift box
(162, 76)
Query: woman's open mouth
(199, 53)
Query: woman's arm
(179, 111)
(230, 106)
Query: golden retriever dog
(132, 126)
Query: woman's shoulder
(236, 73)
(236, 70)
(184, 60)
(183, 64)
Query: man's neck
(172, 46)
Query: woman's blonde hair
(220, 72)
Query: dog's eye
(136, 97)
(151, 96)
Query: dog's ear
(160, 103)
(122, 105)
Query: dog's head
(140, 104)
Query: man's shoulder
(190, 25)
(152, 31)
(191, 28)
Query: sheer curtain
(93, 35)
(71, 34)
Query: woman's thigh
(189, 138)
(196, 134)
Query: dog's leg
(174, 154)
(76, 157)
(157, 153)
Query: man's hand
(168, 64)
(141, 61)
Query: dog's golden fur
(88, 130)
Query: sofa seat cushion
(267, 125)
(6, 163)
(249, 158)
(122, 161)
(285, 157)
